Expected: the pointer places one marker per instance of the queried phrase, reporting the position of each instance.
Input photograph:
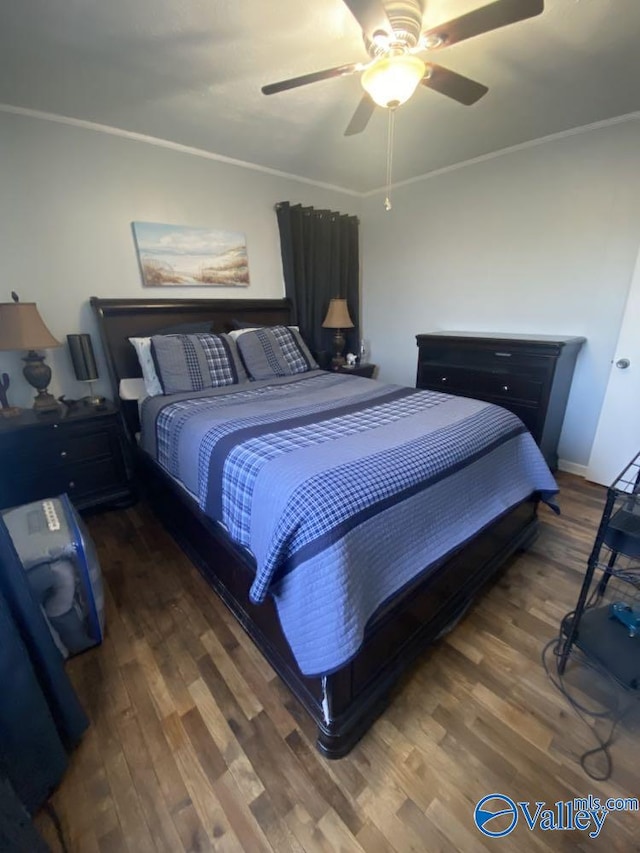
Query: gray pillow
(274, 351)
(195, 362)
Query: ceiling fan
(393, 36)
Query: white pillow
(235, 333)
(142, 347)
(132, 389)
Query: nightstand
(81, 451)
(365, 369)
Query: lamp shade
(22, 328)
(338, 315)
(84, 362)
(391, 80)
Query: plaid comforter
(342, 489)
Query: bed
(305, 571)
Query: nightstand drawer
(78, 481)
(480, 383)
(62, 447)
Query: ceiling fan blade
(371, 15)
(461, 89)
(314, 77)
(360, 118)
(482, 20)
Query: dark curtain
(320, 260)
(41, 719)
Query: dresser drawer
(497, 356)
(480, 383)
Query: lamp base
(338, 348)
(45, 402)
(94, 400)
(38, 375)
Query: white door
(617, 438)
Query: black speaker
(84, 364)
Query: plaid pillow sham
(274, 351)
(195, 362)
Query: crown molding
(243, 164)
(543, 140)
(172, 146)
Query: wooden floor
(196, 745)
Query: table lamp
(22, 328)
(338, 318)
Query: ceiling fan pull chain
(390, 129)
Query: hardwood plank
(127, 802)
(190, 829)
(244, 696)
(274, 827)
(161, 696)
(328, 834)
(245, 826)
(372, 840)
(225, 699)
(169, 778)
(421, 824)
(145, 783)
(281, 772)
(113, 841)
(201, 792)
(318, 772)
(382, 805)
(204, 745)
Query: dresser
(528, 374)
(81, 452)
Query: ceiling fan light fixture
(391, 80)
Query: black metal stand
(604, 635)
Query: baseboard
(572, 467)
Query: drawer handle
(72, 484)
(63, 454)
(503, 354)
(505, 387)
(443, 379)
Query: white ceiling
(190, 71)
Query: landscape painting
(173, 255)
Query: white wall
(540, 240)
(68, 196)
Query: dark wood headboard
(120, 319)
